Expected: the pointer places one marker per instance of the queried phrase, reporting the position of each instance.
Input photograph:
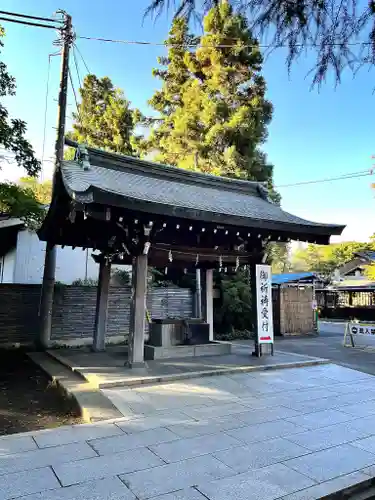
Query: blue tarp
(280, 279)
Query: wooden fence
(346, 304)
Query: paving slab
(105, 446)
(186, 494)
(221, 410)
(319, 419)
(110, 488)
(27, 482)
(328, 464)
(327, 437)
(153, 421)
(183, 449)
(364, 409)
(16, 443)
(172, 477)
(263, 431)
(367, 443)
(329, 487)
(267, 415)
(106, 465)
(44, 457)
(75, 433)
(258, 455)
(267, 483)
(208, 426)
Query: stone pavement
(106, 369)
(291, 434)
(329, 345)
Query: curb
(157, 379)
(92, 404)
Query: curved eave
(95, 195)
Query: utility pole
(48, 285)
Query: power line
(38, 25)
(15, 14)
(74, 91)
(76, 65)
(83, 60)
(353, 175)
(197, 45)
(45, 112)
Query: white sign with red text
(264, 304)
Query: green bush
(232, 311)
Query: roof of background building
(367, 254)
(281, 279)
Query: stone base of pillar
(136, 364)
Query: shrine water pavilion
(137, 212)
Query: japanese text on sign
(361, 329)
(264, 304)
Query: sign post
(264, 306)
(353, 330)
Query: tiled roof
(172, 188)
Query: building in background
(22, 257)
(353, 273)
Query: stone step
(92, 404)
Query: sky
(314, 134)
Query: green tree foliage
(20, 202)
(325, 259)
(326, 26)
(104, 119)
(279, 257)
(15, 200)
(41, 190)
(234, 310)
(212, 106)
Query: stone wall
(296, 313)
(74, 311)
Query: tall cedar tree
(15, 200)
(341, 32)
(104, 118)
(212, 105)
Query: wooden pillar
(101, 311)
(210, 301)
(138, 313)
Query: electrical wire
(83, 59)
(74, 91)
(353, 175)
(76, 65)
(197, 45)
(38, 25)
(45, 114)
(15, 14)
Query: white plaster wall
(70, 264)
(7, 265)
